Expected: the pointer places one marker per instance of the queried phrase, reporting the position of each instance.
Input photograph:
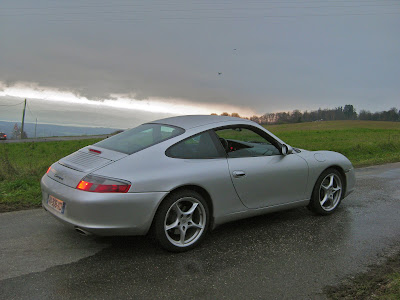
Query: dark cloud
(285, 57)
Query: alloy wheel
(185, 222)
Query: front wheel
(181, 221)
(327, 193)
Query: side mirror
(286, 149)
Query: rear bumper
(102, 213)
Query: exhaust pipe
(81, 231)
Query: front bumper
(102, 213)
(350, 181)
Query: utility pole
(23, 120)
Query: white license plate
(57, 204)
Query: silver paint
(269, 183)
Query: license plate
(57, 204)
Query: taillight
(48, 170)
(95, 151)
(97, 184)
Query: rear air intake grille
(84, 161)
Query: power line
(13, 104)
(29, 110)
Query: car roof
(191, 121)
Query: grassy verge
(21, 167)
(380, 282)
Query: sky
(127, 62)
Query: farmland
(363, 142)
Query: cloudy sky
(138, 60)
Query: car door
(261, 175)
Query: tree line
(348, 112)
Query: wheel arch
(342, 173)
(202, 191)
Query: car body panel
(166, 174)
(154, 175)
(102, 213)
(327, 159)
(86, 160)
(269, 180)
(64, 175)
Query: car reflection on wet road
(291, 254)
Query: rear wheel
(181, 221)
(327, 193)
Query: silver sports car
(180, 177)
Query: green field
(363, 142)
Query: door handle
(238, 174)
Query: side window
(243, 142)
(200, 146)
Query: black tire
(327, 193)
(188, 214)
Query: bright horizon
(128, 63)
(156, 105)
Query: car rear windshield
(143, 136)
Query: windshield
(143, 136)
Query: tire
(327, 193)
(181, 221)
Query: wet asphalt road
(286, 255)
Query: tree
(296, 116)
(255, 119)
(349, 112)
(393, 115)
(16, 133)
(365, 115)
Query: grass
(363, 142)
(23, 164)
(334, 125)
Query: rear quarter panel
(152, 171)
